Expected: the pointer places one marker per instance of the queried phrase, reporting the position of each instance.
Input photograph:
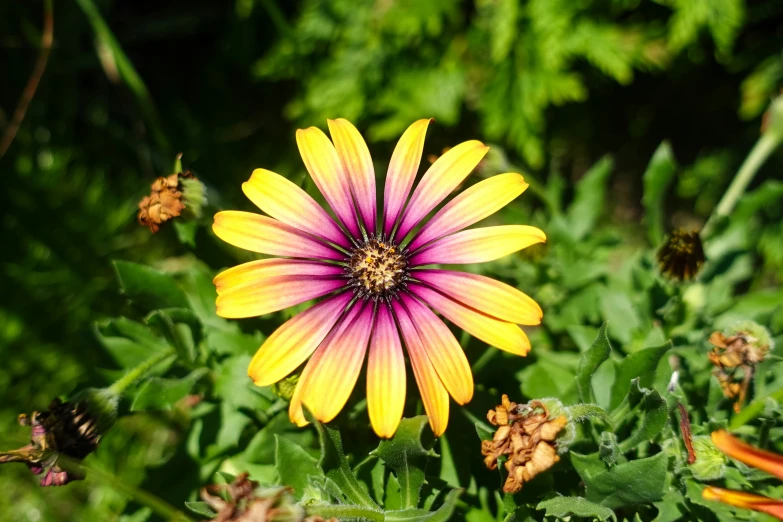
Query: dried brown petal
(164, 202)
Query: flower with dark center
(682, 256)
(370, 267)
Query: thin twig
(47, 38)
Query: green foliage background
(628, 117)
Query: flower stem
(137, 373)
(753, 410)
(767, 143)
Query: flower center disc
(378, 269)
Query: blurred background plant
(628, 118)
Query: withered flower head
(244, 501)
(682, 255)
(526, 435)
(741, 346)
(69, 429)
(169, 198)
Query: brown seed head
(682, 255)
(164, 202)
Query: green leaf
(335, 465)
(619, 311)
(128, 342)
(148, 286)
(442, 514)
(483, 432)
(655, 416)
(589, 199)
(161, 394)
(405, 454)
(294, 465)
(589, 362)
(636, 482)
(344, 512)
(657, 177)
(639, 364)
(201, 508)
(608, 449)
(562, 507)
(180, 327)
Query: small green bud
(285, 388)
(710, 462)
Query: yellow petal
(293, 342)
(485, 294)
(286, 202)
(385, 376)
(326, 169)
(433, 393)
(402, 171)
(443, 350)
(471, 206)
(355, 157)
(478, 245)
(331, 374)
(441, 178)
(265, 235)
(500, 334)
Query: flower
(767, 461)
(526, 435)
(374, 276)
(682, 256)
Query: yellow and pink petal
(286, 202)
(293, 342)
(471, 206)
(385, 375)
(484, 294)
(402, 171)
(439, 181)
(265, 235)
(478, 245)
(500, 334)
(324, 165)
(357, 162)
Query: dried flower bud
(528, 435)
(244, 501)
(67, 429)
(682, 255)
(178, 194)
(741, 346)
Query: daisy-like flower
(375, 275)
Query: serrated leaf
(407, 456)
(562, 507)
(442, 514)
(335, 465)
(148, 286)
(636, 482)
(654, 417)
(641, 364)
(201, 508)
(656, 179)
(589, 362)
(294, 465)
(608, 449)
(161, 394)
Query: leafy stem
(138, 372)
